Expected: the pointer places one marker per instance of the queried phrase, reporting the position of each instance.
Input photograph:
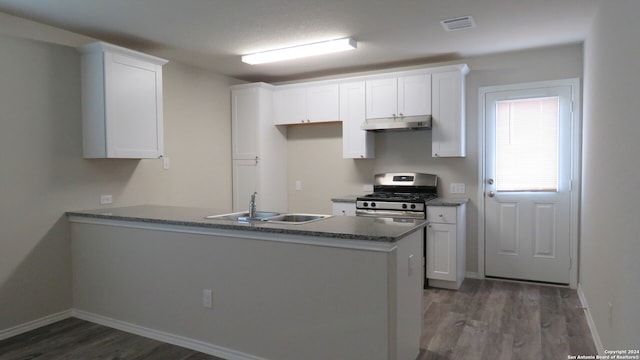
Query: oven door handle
(391, 214)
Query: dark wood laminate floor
(485, 319)
(488, 319)
(74, 339)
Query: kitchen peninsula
(338, 288)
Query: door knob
(490, 181)
(492, 194)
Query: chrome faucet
(252, 206)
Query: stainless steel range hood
(398, 123)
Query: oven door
(391, 213)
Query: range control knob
(365, 204)
(373, 204)
(413, 206)
(404, 206)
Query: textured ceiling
(212, 34)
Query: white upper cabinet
(399, 96)
(414, 95)
(306, 103)
(448, 117)
(382, 98)
(121, 103)
(290, 106)
(356, 143)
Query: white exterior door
(528, 183)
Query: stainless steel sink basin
(244, 216)
(297, 218)
(271, 217)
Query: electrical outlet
(367, 188)
(166, 163)
(207, 298)
(106, 199)
(298, 185)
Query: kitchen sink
(296, 218)
(244, 216)
(271, 217)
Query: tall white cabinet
(259, 149)
(121, 102)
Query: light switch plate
(106, 199)
(457, 188)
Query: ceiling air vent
(458, 23)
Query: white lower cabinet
(344, 208)
(446, 246)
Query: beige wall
(610, 230)
(43, 174)
(315, 151)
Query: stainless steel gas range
(398, 197)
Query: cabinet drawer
(441, 214)
(342, 208)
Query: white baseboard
(34, 324)
(185, 342)
(472, 275)
(592, 324)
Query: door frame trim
(576, 156)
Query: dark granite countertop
(447, 202)
(346, 198)
(340, 227)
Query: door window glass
(527, 144)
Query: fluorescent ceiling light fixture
(296, 52)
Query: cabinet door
(414, 95)
(441, 251)
(343, 209)
(356, 143)
(382, 98)
(133, 107)
(244, 123)
(245, 182)
(448, 133)
(322, 103)
(290, 106)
